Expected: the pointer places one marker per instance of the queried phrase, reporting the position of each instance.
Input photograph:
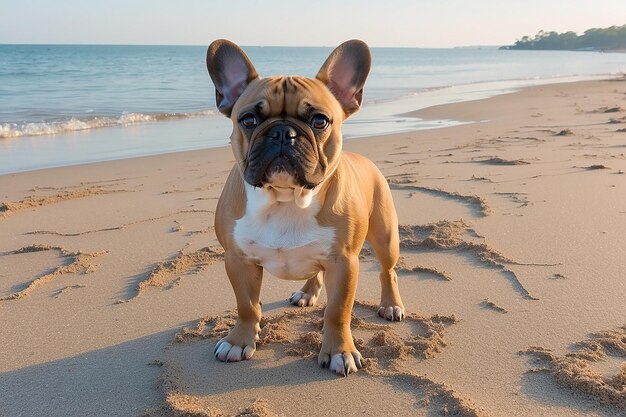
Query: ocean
(72, 104)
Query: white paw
(303, 299)
(394, 313)
(226, 352)
(342, 363)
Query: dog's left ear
(345, 72)
(231, 72)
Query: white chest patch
(282, 237)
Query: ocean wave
(74, 124)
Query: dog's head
(287, 129)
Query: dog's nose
(283, 134)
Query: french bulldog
(294, 203)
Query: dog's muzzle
(283, 148)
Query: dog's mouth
(282, 184)
(280, 173)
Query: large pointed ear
(231, 72)
(345, 72)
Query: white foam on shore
(14, 130)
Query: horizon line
(254, 46)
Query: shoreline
(398, 115)
(112, 283)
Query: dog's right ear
(231, 72)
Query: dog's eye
(319, 122)
(248, 121)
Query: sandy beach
(513, 263)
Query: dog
(294, 203)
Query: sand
(113, 291)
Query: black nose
(283, 134)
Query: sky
(391, 23)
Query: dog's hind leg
(309, 293)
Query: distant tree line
(607, 39)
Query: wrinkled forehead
(282, 96)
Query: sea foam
(74, 124)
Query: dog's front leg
(338, 351)
(245, 278)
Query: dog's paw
(226, 352)
(392, 313)
(304, 299)
(341, 363)
(239, 345)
